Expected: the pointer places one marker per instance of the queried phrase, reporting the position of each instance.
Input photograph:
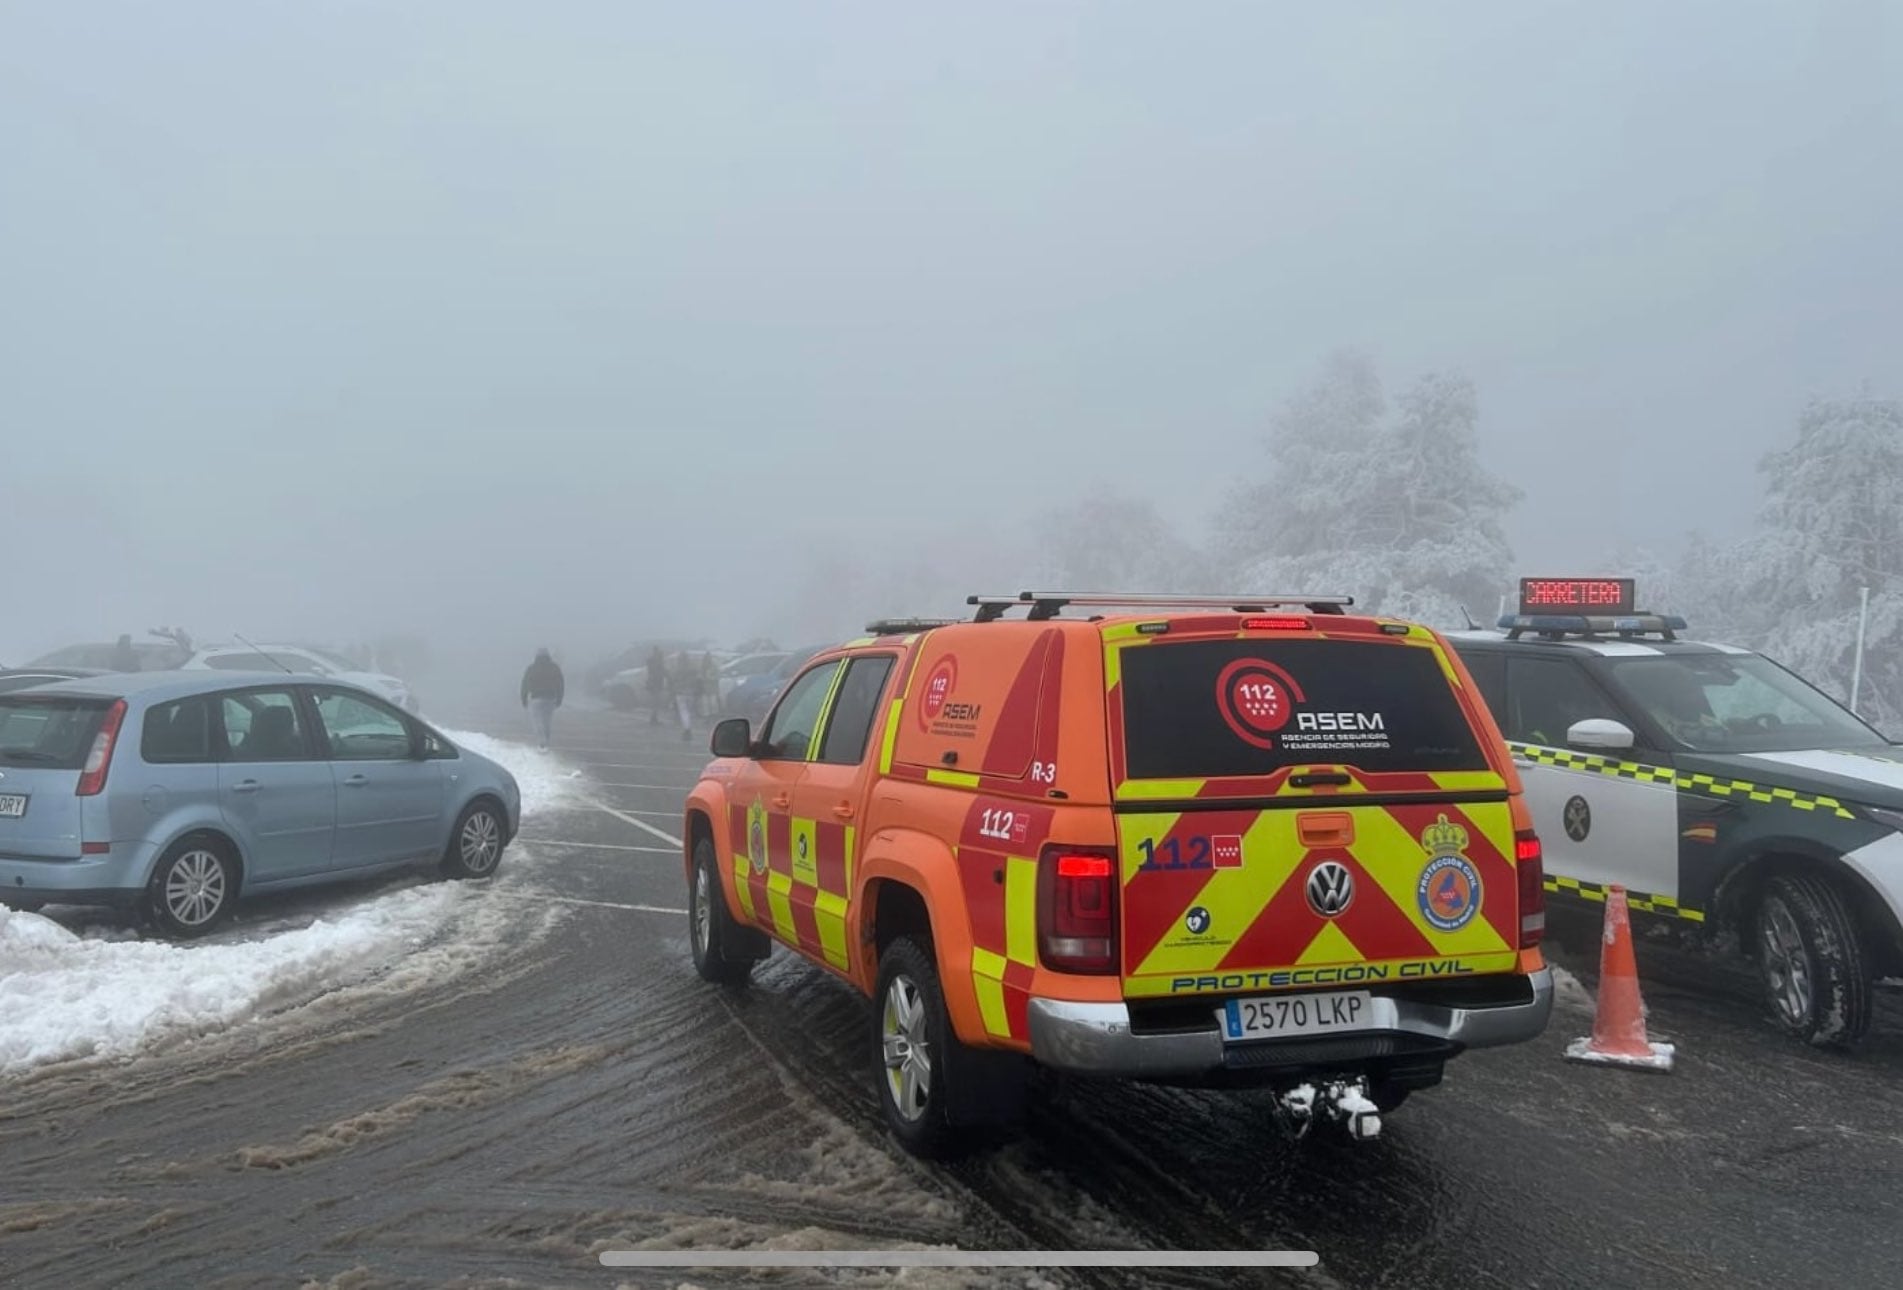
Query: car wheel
(193, 889)
(475, 844)
(940, 1097)
(711, 929)
(1812, 961)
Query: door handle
(246, 786)
(356, 781)
(844, 811)
(1325, 829)
(782, 800)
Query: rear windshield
(49, 733)
(1209, 709)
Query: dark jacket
(543, 680)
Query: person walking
(709, 685)
(686, 681)
(542, 693)
(656, 684)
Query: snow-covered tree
(1403, 516)
(1317, 445)
(1832, 523)
(1698, 583)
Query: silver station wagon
(174, 793)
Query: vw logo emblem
(1331, 889)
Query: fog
(507, 324)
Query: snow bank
(104, 992)
(546, 781)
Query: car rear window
(1213, 709)
(48, 733)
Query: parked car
(176, 793)
(618, 679)
(735, 672)
(627, 689)
(152, 656)
(303, 660)
(624, 690)
(1731, 798)
(755, 694)
(22, 678)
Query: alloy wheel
(195, 888)
(481, 842)
(703, 911)
(1786, 963)
(908, 1057)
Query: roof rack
(1046, 604)
(902, 626)
(1558, 626)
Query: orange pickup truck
(1246, 841)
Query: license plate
(1279, 1016)
(12, 805)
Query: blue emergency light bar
(1665, 626)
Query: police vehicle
(1713, 784)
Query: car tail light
(1530, 862)
(1276, 623)
(93, 778)
(1077, 910)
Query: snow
(547, 782)
(105, 992)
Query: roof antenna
(272, 659)
(1471, 624)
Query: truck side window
(789, 732)
(1546, 696)
(1489, 671)
(854, 711)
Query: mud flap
(740, 943)
(985, 1088)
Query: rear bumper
(112, 879)
(1097, 1039)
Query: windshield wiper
(26, 754)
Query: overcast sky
(508, 320)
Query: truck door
(763, 789)
(826, 805)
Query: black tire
(1812, 960)
(475, 845)
(910, 1036)
(193, 889)
(723, 954)
(958, 1097)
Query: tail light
(1530, 862)
(1077, 910)
(1277, 623)
(92, 779)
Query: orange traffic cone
(1618, 1031)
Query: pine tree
(1402, 516)
(1832, 524)
(1317, 442)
